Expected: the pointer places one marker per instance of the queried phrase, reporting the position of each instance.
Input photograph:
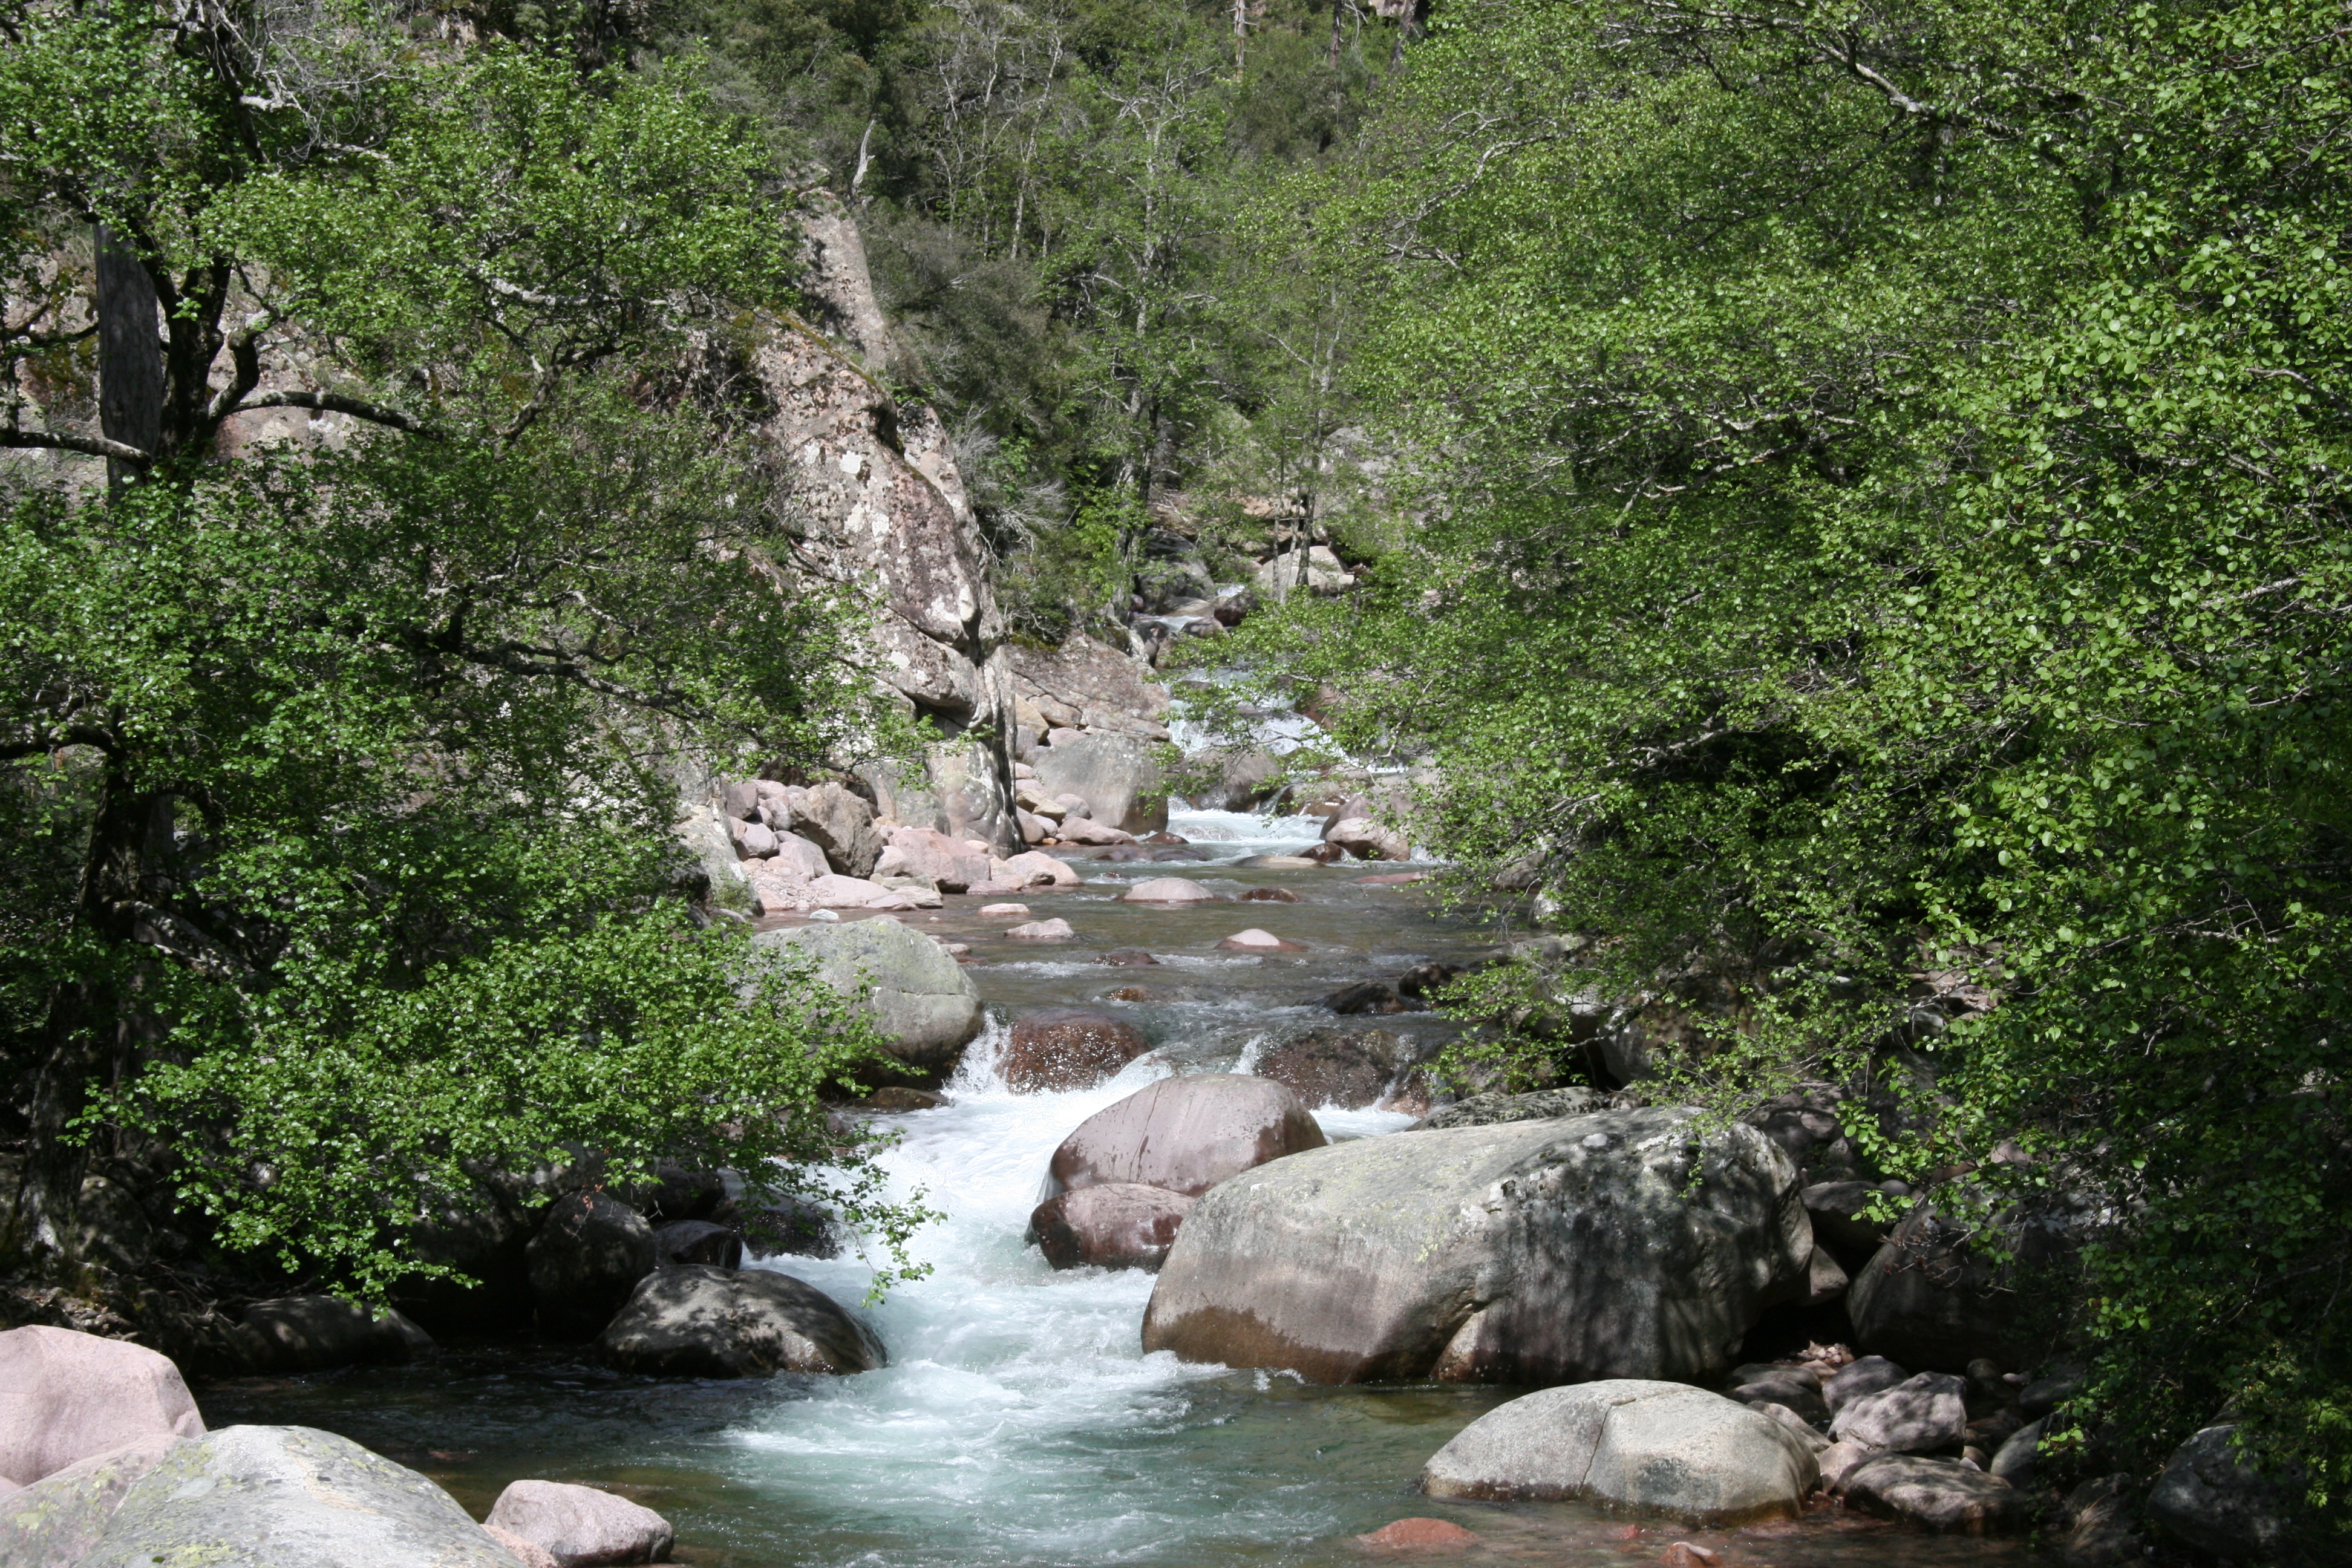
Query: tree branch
(87, 445)
(336, 402)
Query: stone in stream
(1185, 1134)
(1055, 1049)
(1943, 1495)
(925, 1006)
(1367, 839)
(1865, 1375)
(1418, 1535)
(1278, 863)
(697, 1241)
(1168, 891)
(1614, 1245)
(752, 841)
(1003, 910)
(288, 1496)
(1631, 1441)
(2210, 1497)
(581, 1527)
(1114, 1225)
(310, 1334)
(71, 1395)
(948, 864)
(1034, 867)
(589, 1254)
(1257, 941)
(697, 1321)
(1542, 1105)
(1043, 930)
(1132, 957)
(1371, 996)
(1077, 830)
(1918, 1416)
(1793, 1388)
(1270, 896)
(1329, 1067)
(60, 1517)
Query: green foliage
(1885, 481)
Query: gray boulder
(581, 1527)
(1926, 1299)
(1185, 1135)
(71, 1395)
(310, 1334)
(1918, 1416)
(2211, 1499)
(57, 1518)
(589, 1254)
(2099, 1523)
(926, 1008)
(1793, 1387)
(1866, 1375)
(289, 1497)
(1629, 1441)
(1114, 775)
(1614, 1245)
(699, 1321)
(840, 824)
(1542, 1105)
(697, 1241)
(2014, 1460)
(1943, 1495)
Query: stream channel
(1019, 1422)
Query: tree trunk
(130, 352)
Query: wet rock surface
(1186, 1134)
(1114, 1224)
(1068, 1048)
(698, 1322)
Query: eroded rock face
(1186, 1134)
(926, 1008)
(1531, 1253)
(1058, 1048)
(1113, 773)
(1085, 684)
(72, 1395)
(1632, 1441)
(289, 1497)
(698, 1322)
(581, 1527)
(1116, 1225)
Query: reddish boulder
(1329, 1068)
(1068, 1048)
(1117, 1225)
(70, 1396)
(1418, 1535)
(1186, 1134)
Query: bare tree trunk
(130, 352)
(1339, 8)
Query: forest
(1840, 507)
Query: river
(1019, 1423)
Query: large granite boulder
(1918, 1416)
(60, 1518)
(1334, 1066)
(1068, 1048)
(310, 1334)
(1943, 1495)
(1114, 1225)
(1929, 1301)
(581, 1527)
(1614, 1245)
(950, 865)
(1631, 1441)
(2210, 1497)
(841, 824)
(67, 1396)
(697, 1321)
(589, 1254)
(926, 1008)
(1185, 1134)
(1115, 776)
(289, 1497)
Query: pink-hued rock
(1168, 891)
(1186, 1134)
(581, 1527)
(947, 864)
(752, 841)
(71, 1395)
(1034, 867)
(1257, 941)
(1114, 1225)
(833, 891)
(1093, 834)
(529, 1553)
(1004, 908)
(1418, 1535)
(1043, 931)
(796, 856)
(1367, 839)
(1068, 1048)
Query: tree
(363, 751)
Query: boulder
(310, 1334)
(2211, 1498)
(2014, 1460)
(680, 1191)
(1839, 1460)
(1367, 839)
(1614, 1245)
(1315, 569)
(1037, 868)
(2099, 1523)
(1866, 1375)
(1418, 1535)
(697, 1241)
(1168, 891)
(71, 1395)
(792, 1226)
(1114, 775)
(1918, 1416)
(833, 891)
(1043, 930)
(1840, 1211)
(741, 800)
(1074, 808)
(841, 824)
(1791, 1387)
(947, 864)
(1058, 1048)
(289, 1497)
(581, 1527)
(60, 1518)
(1095, 835)
(1369, 996)
(484, 1238)
(926, 1008)
(1003, 911)
(1327, 1068)
(1128, 958)
(1270, 896)
(693, 1320)
(1035, 828)
(752, 841)
(529, 1553)
(798, 858)
(1494, 1110)
(1257, 940)
(588, 1255)
(1114, 1224)
(1185, 1134)
(1925, 1300)
(1943, 1495)
(1631, 1441)
(1825, 1281)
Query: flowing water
(1019, 1422)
